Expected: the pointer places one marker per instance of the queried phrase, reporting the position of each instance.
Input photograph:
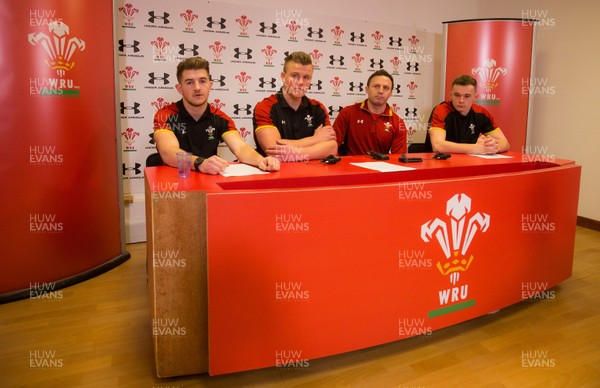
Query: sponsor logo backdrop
(246, 46)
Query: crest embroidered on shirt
(309, 119)
(359, 121)
(211, 132)
(282, 122)
(387, 127)
(472, 128)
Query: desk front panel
(297, 274)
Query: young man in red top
(193, 125)
(371, 125)
(459, 125)
(290, 126)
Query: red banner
(335, 269)
(498, 54)
(60, 181)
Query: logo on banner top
(396, 62)
(314, 35)
(241, 109)
(336, 82)
(159, 49)
(316, 87)
(315, 56)
(412, 86)
(357, 39)
(336, 63)
(159, 103)
(377, 37)
(243, 22)
(129, 75)
(267, 30)
(410, 131)
(219, 83)
(243, 79)
(188, 19)
(413, 40)
(217, 50)
(412, 68)
(128, 11)
(267, 84)
(130, 47)
(488, 76)
(293, 28)
(394, 43)
(333, 110)
(59, 50)
(457, 256)
(217, 104)
(129, 135)
(242, 56)
(193, 49)
(216, 25)
(357, 58)
(410, 113)
(269, 52)
(398, 90)
(158, 20)
(376, 64)
(337, 35)
(356, 88)
(158, 81)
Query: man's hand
(286, 152)
(269, 164)
(324, 133)
(213, 165)
(486, 145)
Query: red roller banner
(498, 54)
(61, 206)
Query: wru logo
(463, 230)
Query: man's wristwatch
(198, 162)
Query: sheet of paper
(382, 166)
(494, 156)
(240, 169)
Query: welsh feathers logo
(489, 77)
(59, 49)
(454, 236)
(58, 46)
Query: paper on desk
(240, 169)
(493, 156)
(383, 166)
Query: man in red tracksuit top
(371, 125)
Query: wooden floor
(98, 334)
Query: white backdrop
(246, 46)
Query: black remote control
(331, 159)
(378, 155)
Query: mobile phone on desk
(405, 159)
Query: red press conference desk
(316, 260)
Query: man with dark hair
(371, 125)
(290, 126)
(458, 125)
(192, 124)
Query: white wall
(567, 58)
